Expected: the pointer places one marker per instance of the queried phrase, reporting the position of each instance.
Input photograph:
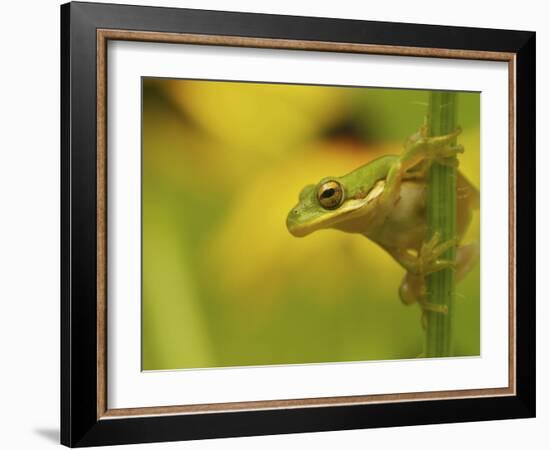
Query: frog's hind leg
(413, 290)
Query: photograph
(303, 224)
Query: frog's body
(385, 200)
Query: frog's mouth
(301, 223)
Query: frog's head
(333, 203)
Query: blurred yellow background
(224, 283)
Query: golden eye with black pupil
(330, 195)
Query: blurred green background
(224, 283)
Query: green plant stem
(441, 211)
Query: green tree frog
(385, 200)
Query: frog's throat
(352, 208)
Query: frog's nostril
(295, 211)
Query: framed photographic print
(276, 224)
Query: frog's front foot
(428, 260)
(422, 147)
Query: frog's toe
(429, 245)
(438, 250)
(448, 161)
(440, 264)
(432, 307)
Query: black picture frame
(80, 425)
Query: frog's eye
(330, 195)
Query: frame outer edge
(308, 28)
(79, 255)
(79, 428)
(65, 335)
(525, 226)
